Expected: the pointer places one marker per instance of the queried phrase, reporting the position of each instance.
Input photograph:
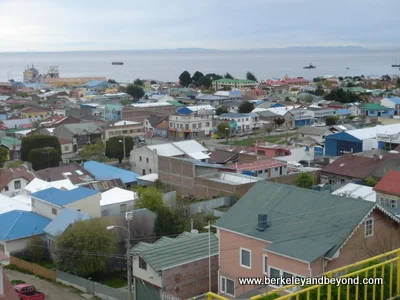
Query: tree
(204, 81)
(279, 121)
(250, 76)
(221, 110)
(343, 96)
(371, 181)
(153, 82)
(185, 79)
(93, 152)
(135, 91)
(36, 249)
(213, 76)
(112, 81)
(223, 130)
(398, 82)
(304, 180)
(319, 91)
(38, 141)
(138, 82)
(44, 158)
(331, 120)
(84, 249)
(115, 148)
(125, 102)
(228, 76)
(4, 155)
(149, 197)
(196, 76)
(168, 222)
(246, 107)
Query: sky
(69, 25)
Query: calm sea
(167, 65)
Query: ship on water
(32, 75)
(310, 67)
(396, 65)
(117, 63)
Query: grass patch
(116, 279)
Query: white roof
(149, 177)
(198, 155)
(371, 132)
(8, 204)
(24, 132)
(190, 146)
(38, 184)
(151, 104)
(276, 110)
(121, 123)
(117, 195)
(357, 191)
(201, 107)
(168, 150)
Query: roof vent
(262, 222)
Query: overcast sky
(61, 25)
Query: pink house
(271, 150)
(279, 230)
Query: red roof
(389, 184)
(260, 165)
(63, 142)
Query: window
(6, 188)
(171, 124)
(199, 125)
(393, 203)
(142, 263)
(17, 184)
(227, 286)
(194, 126)
(52, 246)
(66, 148)
(143, 172)
(265, 268)
(149, 171)
(140, 158)
(274, 273)
(369, 227)
(207, 124)
(54, 211)
(147, 160)
(245, 258)
(186, 126)
(123, 208)
(131, 131)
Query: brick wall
(139, 114)
(289, 179)
(191, 279)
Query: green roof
(302, 223)
(374, 106)
(167, 252)
(227, 80)
(113, 106)
(9, 142)
(175, 103)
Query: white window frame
(244, 266)
(372, 227)
(281, 275)
(226, 284)
(265, 265)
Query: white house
(51, 201)
(117, 202)
(13, 180)
(392, 102)
(37, 185)
(244, 122)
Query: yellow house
(35, 113)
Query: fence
(34, 268)
(165, 296)
(91, 287)
(208, 206)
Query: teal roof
(374, 106)
(227, 80)
(113, 106)
(175, 103)
(302, 224)
(167, 252)
(9, 141)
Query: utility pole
(129, 217)
(209, 256)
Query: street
(52, 291)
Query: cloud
(43, 25)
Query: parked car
(279, 130)
(304, 163)
(28, 292)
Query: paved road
(53, 291)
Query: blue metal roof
(18, 224)
(343, 111)
(276, 105)
(105, 172)
(395, 100)
(63, 220)
(61, 197)
(184, 111)
(94, 83)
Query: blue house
(276, 105)
(376, 110)
(104, 172)
(59, 224)
(113, 112)
(17, 229)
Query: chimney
(375, 157)
(262, 222)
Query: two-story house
(392, 102)
(376, 110)
(278, 230)
(244, 122)
(50, 202)
(113, 112)
(388, 191)
(80, 134)
(35, 113)
(123, 128)
(14, 180)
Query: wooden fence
(34, 268)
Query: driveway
(51, 290)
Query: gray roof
(267, 113)
(303, 224)
(167, 252)
(77, 128)
(313, 130)
(63, 220)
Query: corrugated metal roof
(303, 224)
(354, 190)
(190, 146)
(63, 220)
(167, 150)
(104, 172)
(167, 253)
(390, 183)
(117, 195)
(62, 197)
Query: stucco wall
(149, 275)
(139, 165)
(44, 208)
(12, 189)
(89, 205)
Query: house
(376, 110)
(97, 85)
(244, 122)
(271, 150)
(210, 99)
(67, 150)
(176, 266)
(123, 128)
(17, 229)
(357, 191)
(144, 160)
(7, 290)
(299, 117)
(19, 202)
(157, 98)
(57, 120)
(280, 230)
(232, 94)
(14, 180)
(266, 168)
(117, 201)
(113, 112)
(35, 113)
(393, 103)
(388, 191)
(80, 134)
(59, 225)
(72, 171)
(225, 83)
(105, 172)
(151, 124)
(13, 145)
(37, 185)
(147, 180)
(104, 185)
(50, 202)
(316, 133)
